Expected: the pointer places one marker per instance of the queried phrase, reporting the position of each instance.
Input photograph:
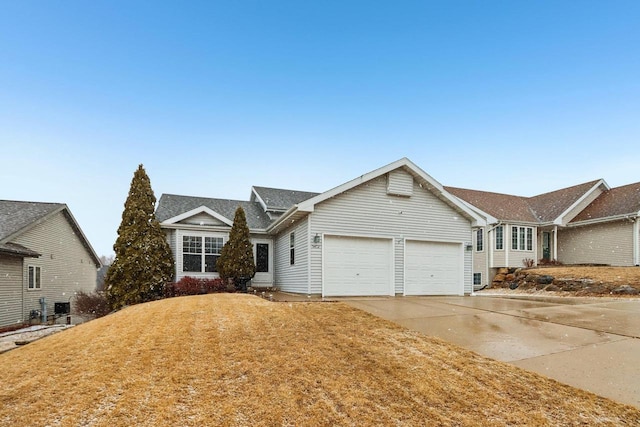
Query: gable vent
(399, 183)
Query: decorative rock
(513, 285)
(625, 290)
(544, 280)
(552, 288)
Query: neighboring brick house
(44, 259)
(588, 223)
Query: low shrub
(194, 286)
(91, 304)
(528, 262)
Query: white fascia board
(285, 216)
(628, 216)
(259, 199)
(559, 219)
(218, 228)
(486, 217)
(201, 209)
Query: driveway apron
(592, 344)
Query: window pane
(210, 263)
(37, 277)
(191, 244)
(192, 263)
(479, 242)
(522, 238)
(529, 239)
(477, 278)
(262, 258)
(31, 278)
(212, 245)
(514, 238)
(292, 250)
(499, 237)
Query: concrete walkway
(592, 344)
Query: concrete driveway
(592, 344)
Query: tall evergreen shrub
(143, 260)
(236, 257)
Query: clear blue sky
(519, 97)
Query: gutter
(630, 216)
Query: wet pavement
(590, 343)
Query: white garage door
(355, 266)
(433, 268)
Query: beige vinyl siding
(607, 243)
(293, 278)
(480, 257)
(368, 211)
(498, 256)
(66, 264)
(10, 290)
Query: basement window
(477, 279)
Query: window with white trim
(480, 240)
(292, 248)
(35, 277)
(499, 237)
(521, 238)
(477, 278)
(200, 253)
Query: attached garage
(433, 268)
(356, 266)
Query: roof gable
(618, 201)
(425, 181)
(17, 217)
(173, 208)
(552, 206)
(279, 200)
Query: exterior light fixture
(316, 238)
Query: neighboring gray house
(391, 231)
(44, 258)
(588, 223)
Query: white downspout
(555, 242)
(309, 253)
(636, 242)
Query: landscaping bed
(574, 280)
(240, 360)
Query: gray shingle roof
(624, 200)
(16, 215)
(278, 199)
(172, 205)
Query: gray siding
(367, 210)
(66, 265)
(293, 278)
(608, 243)
(10, 291)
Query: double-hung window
(480, 240)
(200, 253)
(499, 237)
(34, 277)
(521, 238)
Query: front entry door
(546, 245)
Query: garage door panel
(433, 268)
(356, 266)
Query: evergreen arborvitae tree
(143, 261)
(236, 257)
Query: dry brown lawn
(614, 275)
(239, 360)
